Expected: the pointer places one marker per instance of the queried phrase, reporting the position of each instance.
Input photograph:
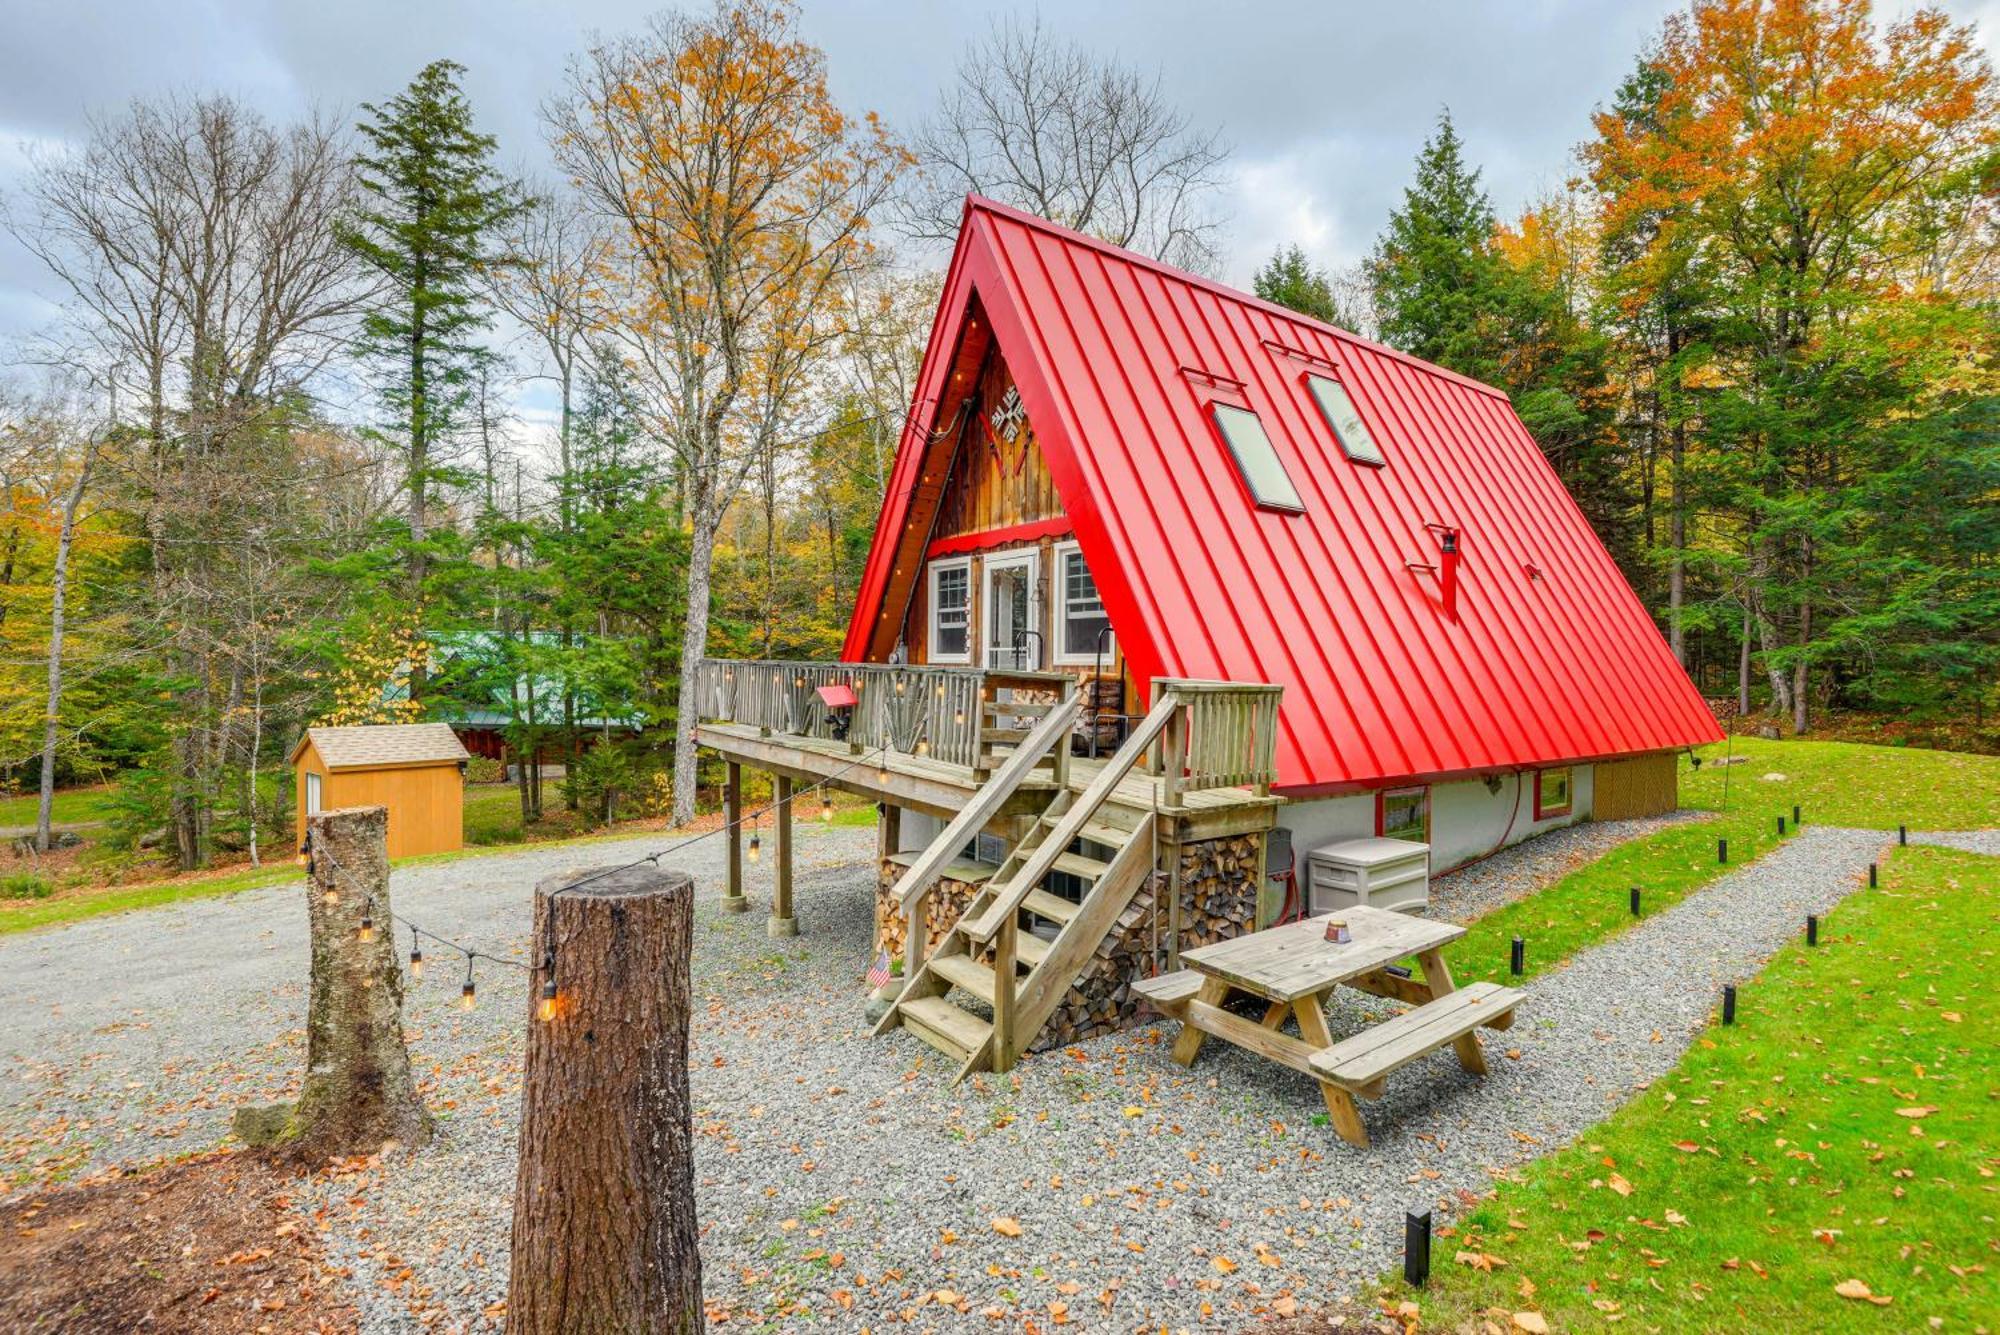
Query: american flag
(879, 973)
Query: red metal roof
(1550, 657)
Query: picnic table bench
(1293, 968)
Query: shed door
(312, 794)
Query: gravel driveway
(841, 1177)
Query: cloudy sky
(1324, 103)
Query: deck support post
(733, 900)
(782, 922)
(1004, 946)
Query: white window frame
(993, 564)
(313, 798)
(931, 630)
(1067, 655)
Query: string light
(755, 843)
(367, 932)
(305, 851)
(825, 805)
(416, 955)
(467, 994)
(547, 1010)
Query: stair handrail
(1006, 900)
(986, 802)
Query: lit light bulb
(923, 746)
(546, 1011)
(754, 844)
(367, 931)
(416, 962)
(958, 718)
(465, 996)
(940, 690)
(798, 681)
(330, 895)
(899, 685)
(882, 773)
(305, 855)
(825, 808)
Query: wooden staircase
(993, 955)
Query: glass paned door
(1013, 636)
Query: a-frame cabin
(1163, 569)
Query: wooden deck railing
(923, 711)
(1223, 735)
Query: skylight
(1348, 428)
(1263, 473)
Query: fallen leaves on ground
(1859, 1292)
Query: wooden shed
(416, 770)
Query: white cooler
(1380, 873)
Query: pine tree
(1292, 281)
(1433, 270)
(432, 205)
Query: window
(1348, 428)
(1256, 460)
(1080, 616)
(951, 610)
(1404, 813)
(1552, 793)
(312, 793)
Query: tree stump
(605, 1237)
(358, 1089)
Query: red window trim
(1059, 527)
(1382, 794)
(1544, 813)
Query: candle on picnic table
(1336, 931)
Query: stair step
(1054, 907)
(956, 1033)
(966, 972)
(1097, 831)
(1030, 949)
(1076, 864)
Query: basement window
(951, 609)
(1552, 793)
(1404, 813)
(1263, 473)
(1338, 408)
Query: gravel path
(1971, 841)
(1476, 890)
(842, 1178)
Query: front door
(1013, 635)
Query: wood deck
(942, 788)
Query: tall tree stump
(358, 1089)
(604, 1223)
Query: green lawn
(1846, 783)
(1845, 1129)
(71, 805)
(1832, 783)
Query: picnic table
(1294, 968)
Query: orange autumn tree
(1776, 175)
(740, 196)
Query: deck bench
(1170, 992)
(1363, 1062)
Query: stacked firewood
(947, 902)
(1219, 880)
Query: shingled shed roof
(383, 745)
(1540, 655)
